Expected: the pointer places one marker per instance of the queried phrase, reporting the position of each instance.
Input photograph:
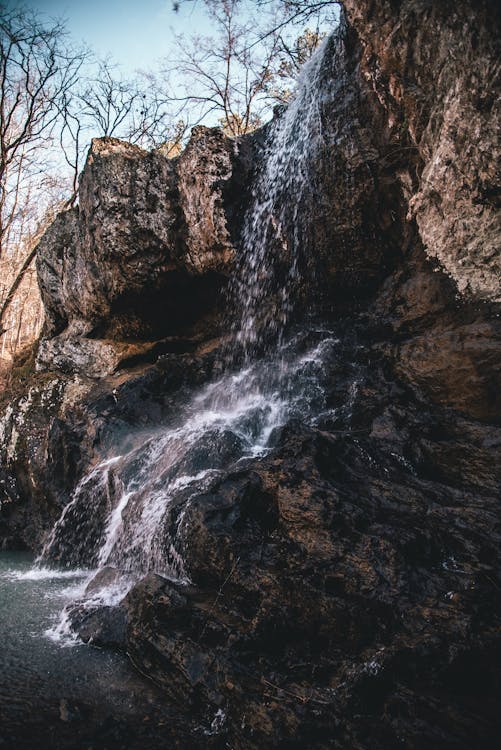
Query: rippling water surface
(55, 697)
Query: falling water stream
(127, 513)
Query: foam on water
(44, 574)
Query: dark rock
(67, 712)
(40, 455)
(144, 256)
(457, 366)
(101, 625)
(345, 591)
(135, 232)
(340, 590)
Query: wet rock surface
(63, 424)
(345, 588)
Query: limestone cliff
(143, 256)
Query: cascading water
(125, 514)
(265, 285)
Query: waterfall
(268, 272)
(127, 512)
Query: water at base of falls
(63, 698)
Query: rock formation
(435, 69)
(143, 256)
(344, 589)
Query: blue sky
(135, 32)
(138, 34)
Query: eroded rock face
(342, 587)
(436, 111)
(435, 69)
(41, 451)
(457, 366)
(118, 240)
(447, 350)
(141, 217)
(201, 185)
(343, 591)
(144, 255)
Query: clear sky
(135, 32)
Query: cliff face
(435, 69)
(345, 588)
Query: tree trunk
(15, 286)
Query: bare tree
(109, 101)
(133, 109)
(22, 261)
(36, 70)
(53, 100)
(298, 12)
(236, 75)
(105, 104)
(225, 78)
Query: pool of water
(65, 696)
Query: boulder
(342, 590)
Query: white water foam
(62, 632)
(44, 574)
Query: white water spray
(272, 236)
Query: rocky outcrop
(140, 228)
(435, 69)
(145, 254)
(436, 111)
(343, 589)
(446, 349)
